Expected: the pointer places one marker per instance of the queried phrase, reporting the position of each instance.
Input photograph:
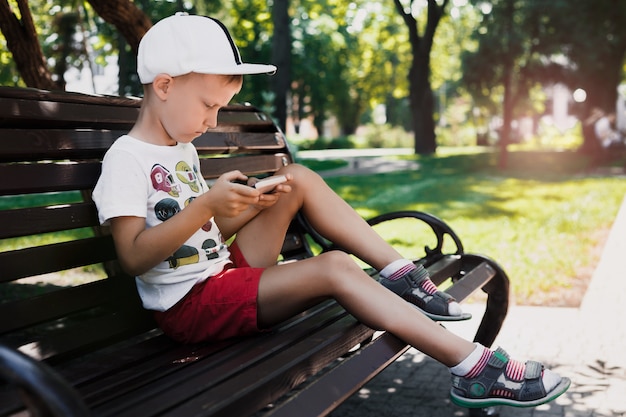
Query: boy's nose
(210, 122)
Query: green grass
(543, 219)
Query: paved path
(586, 344)
(363, 161)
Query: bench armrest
(42, 388)
(438, 226)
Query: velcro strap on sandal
(533, 370)
(499, 359)
(408, 281)
(418, 274)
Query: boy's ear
(161, 85)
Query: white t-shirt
(156, 182)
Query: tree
(595, 51)
(281, 57)
(503, 58)
(523, 44)
(421, 98)
(127, 18)
(322, 49)
(22, 41)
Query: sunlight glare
(579, 95)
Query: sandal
(493, 387)
(412, 287)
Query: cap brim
(241, 69)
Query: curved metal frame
(42, 389)
(438, 226)
(497, 289)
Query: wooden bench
(74, 340)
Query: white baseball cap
(183, 43)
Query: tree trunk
(281, 57)
(507, 117)
(129, 20)
(507, 112)
(421, 100)
(23, 44)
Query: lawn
(544, 219)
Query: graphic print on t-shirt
(166, 208)
(162, 180)
(187, 176)
(181, 190)
(185, 255)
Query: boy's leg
(288, 289)
(261, 239)
(481, 377)
(285, 290)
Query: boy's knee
(337, 260)
(301, 174)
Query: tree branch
(23, 44)
(129, 20)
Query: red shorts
(217, 308)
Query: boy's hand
(229, 197)
(269, 199)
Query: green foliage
(322, 164)
(342, 142)
(349, 57)
(368, 136)
(384, 136)
(578, 43)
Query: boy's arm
(140, 249)
(230, 225)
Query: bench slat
(55, 304)
(19, 145)
(229, 142)
(48, 177)
(90, 333)
(60, 97)
(58, 176)
(333, 387)
(36, 220)
(219, 371)
(147, 360)
(55, 257)
(275, 375)
(249, 164)
(476, 278)
(29, 113)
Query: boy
(190, 68)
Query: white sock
(466, 365)
(395, 266)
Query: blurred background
(365, 73)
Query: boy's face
(192, 103)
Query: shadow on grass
(470, 184)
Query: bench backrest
(61, 287)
